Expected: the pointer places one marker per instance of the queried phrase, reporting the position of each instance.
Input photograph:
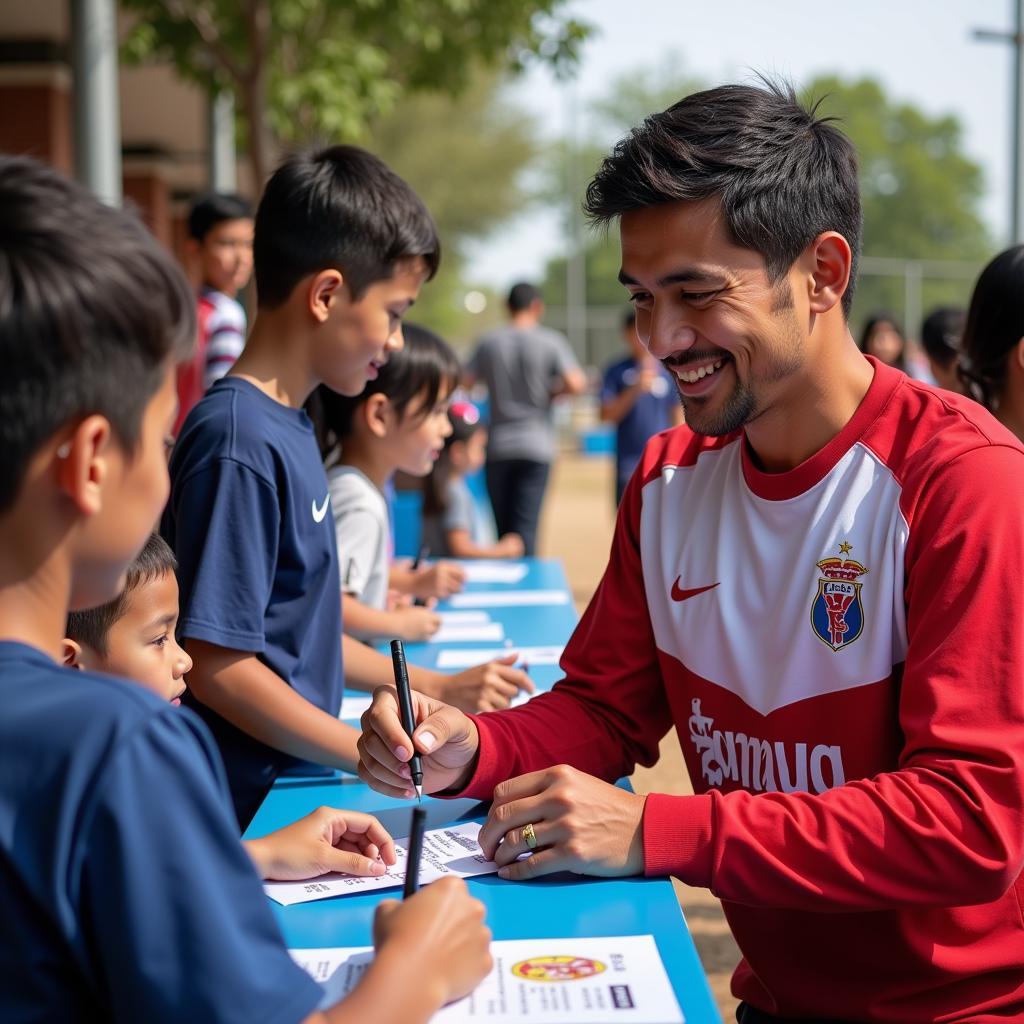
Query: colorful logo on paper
(557, 968)
(837, 612)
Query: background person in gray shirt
(524, 366)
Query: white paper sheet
(543, 981)
(354, 704)
(471, 632)
(494, 571)
(507, 599)
(466, 657)
(446, 851)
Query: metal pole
(912, 299)
(222, 169)
(95, 95)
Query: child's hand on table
(326, 840)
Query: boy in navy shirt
(639, 397)
(342, 246)
(126, 895)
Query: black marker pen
(405, 710)
(415, 852)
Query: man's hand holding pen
(579, 823)
(446, 739)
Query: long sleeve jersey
(840, 649)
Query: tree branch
(199, 18)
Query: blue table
(560, 905)
(525, 626)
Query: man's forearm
(253, 698)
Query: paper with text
(446, 851)
(507, 598)
(543, 981)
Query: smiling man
(815, 581)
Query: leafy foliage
(302, 69)
(920, 190)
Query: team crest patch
(837, 614)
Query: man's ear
(378, 415)
(71, 655)
(829, 262)
(325, 289)
(82, 461)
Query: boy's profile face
(133, 486)
(361, 333)
(141, 646)
(225, 255)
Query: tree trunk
(253, 89)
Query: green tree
(628, 100)
(301, 69)
(465, 156)
(920, 190)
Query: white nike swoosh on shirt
(319, 513)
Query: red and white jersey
(841, 650)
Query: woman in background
(992, 366)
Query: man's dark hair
(783, 174)
(210, 210)
(522, 296)
(994, 328)
(92, 312)
(92, 626)
(424, 371)
(339, 208)
(940, 334)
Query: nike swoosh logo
(319, 513)
(678, 594)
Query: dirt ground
(576, 527)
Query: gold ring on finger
(530, 837)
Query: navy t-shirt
(249, 519)
(126, 894)
(651, 413)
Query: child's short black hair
(92, 312)
(340, 208)
(92, 626)
(426, 370)
(214, 208)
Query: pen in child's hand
(414, 853)
(421, 556)
(405, 710)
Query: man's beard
(741, 406)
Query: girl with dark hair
(992, 364)
(399, 422)
(883, 339)
(452, 520)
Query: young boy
(342, 246)
(126, 895)
(220, 232)
(133, 635)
